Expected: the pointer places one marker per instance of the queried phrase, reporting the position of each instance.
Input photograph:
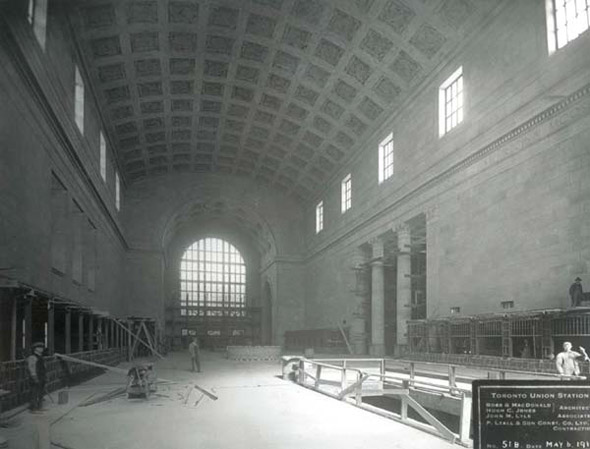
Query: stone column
(358, 325)
(13, 328)
(107, 333)
(68, 331)
(50, 327)
(80, 331)
(90, 332)
(28, 328)
(377, 347)
(404, 287)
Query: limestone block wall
(331, 280)
(289, 301)
(504, 195)
(45, 160)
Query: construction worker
(36, 369)
(193, 348)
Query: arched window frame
(212, 279)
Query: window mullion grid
(211, 278)
(448, 109)
(223, 265)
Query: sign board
(531, 414)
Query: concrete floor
(256, 409)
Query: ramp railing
(352, 379)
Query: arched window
(212, 279)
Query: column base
(377, 350)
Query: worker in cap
(195, 353)
(36, 370)
(576, 292)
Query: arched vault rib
(213, 217)
(282, 91)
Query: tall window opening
(450, 99)
(566, 20)
(346, 190)
(117, 191)
(31, 11)
(103, 157)
(37, 17)
(386, 158)
(79, 100)
(319, 217)
(212, 279)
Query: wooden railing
(409, 367)
(352, 379)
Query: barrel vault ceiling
(283, 91)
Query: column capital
(378, 245)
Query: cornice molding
(499, 143)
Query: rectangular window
(319, 217)
(455, 310)
(386, 158)
(117, 191)
(507, 304)
(450, 100)
(346, 193)
(79, 100)
(37, 17)
(566, 20)
(103, 157)
(31, 12)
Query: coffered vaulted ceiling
(280, 90)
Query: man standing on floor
(193, 348)
(36, 368)
(576, 292)
(567, 360)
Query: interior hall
(213, 210)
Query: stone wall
(166, 214)
(506, 194)
(52, 196)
